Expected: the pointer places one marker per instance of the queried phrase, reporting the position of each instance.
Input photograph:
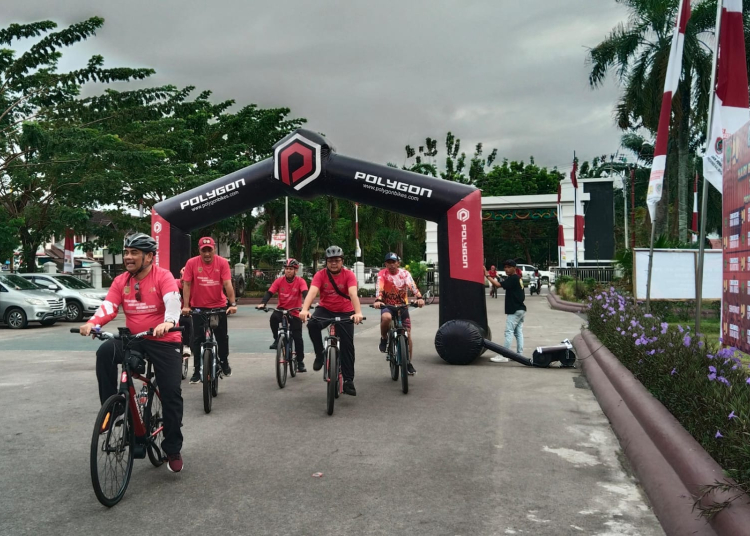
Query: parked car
(80, 297)
(527, 271)
(21, 302)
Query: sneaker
(186, 352)
(499, 359)
(382, 345)
(274, 345)
(196, 377)
(301, 367)
(319, 359)
(349, 388)
(411, 369)
(174, 462)
(226, 369)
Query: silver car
(21, 302)
(80, 297)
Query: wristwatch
(233, 304)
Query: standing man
(292, 290)
(338, 297)
(206, 278)
(394, 283)
(514, 308)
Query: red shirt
(393, 288)
(329, 298)
(290, 294)
(207, 282)
(139, 315)
(492, 274)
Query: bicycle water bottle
(143, 398)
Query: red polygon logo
(297, 162)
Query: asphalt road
(477, 450)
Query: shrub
(560, 281)
(365, 292)
(707, 390)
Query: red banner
(160, 232)
(465, 239)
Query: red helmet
(291, 263)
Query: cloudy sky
(375, 76)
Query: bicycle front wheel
(281, 361)
(392, 358)
(185, 366)
(332, 362)
(291, 358)
(429, 297)
(207, 379)
(154, 421)
(112, 451)
(215, 381)
(403, 362)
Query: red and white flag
(69, 263)
(578, 228)
(562, 261)
(674, 69)
(730, 106)
(694, 226)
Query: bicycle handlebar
(402, 306)
(283, 311)
(104, 335)
(335, 320)
(215, 311)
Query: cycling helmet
(334, 251)
(291, 263)
(140, 241)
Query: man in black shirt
(514, 307)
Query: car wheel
(16, 319)
(73, 311)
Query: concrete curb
(562, 305)
(669, 462)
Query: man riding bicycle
(206, 278)
(338, 297)
(148, 295)
(394, 283)
(292, 290)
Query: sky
(376, 76)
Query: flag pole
(575, 227)
(286, 225)
(704, 200)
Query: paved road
(478, 450)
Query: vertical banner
(736, 241)
(69, 261)
(160, 230)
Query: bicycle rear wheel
(392, 357)
(112, 451)
(429, 297)
(291, 358)
(403, 362)
(332, 362)
(281, 361)
(207, 379)
(154, 421)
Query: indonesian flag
(730, 106)
(674, 69)
(578, 229)
(694, 227)
(560, 232)
(69, 264)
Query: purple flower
(712, 377)
(602, 316)
(664, 327)
(712, 369)
(599, 297)
(723, 380)
(700, 344)
(651, 352)
(640, 361)
(718, 434)
(686, 341)
(732, 415)
(648, 316)
(747, 380)
(711, 356)
(674, 371)
(680, 328)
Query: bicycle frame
(127, 388)
(210, 343)
(332, 340)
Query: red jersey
(139, 315)
(207, 282)
(290, 294)
(393, 288)
(492, 274)
(329, 298)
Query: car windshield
(17, 282)
(72, 282)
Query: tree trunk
(28, 247)
(683, 152)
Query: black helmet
(334, 251)
(140, 241)
(291, 263)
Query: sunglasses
(137, 291)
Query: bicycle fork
(211, 346)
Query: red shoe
(174, 462)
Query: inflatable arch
(305, 165)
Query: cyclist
(148, 295)
(212, 278)
(292, 290)
(338, 297)
(394, 283)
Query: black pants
(167, 360)
(345, 333)
(187, 323)
(199, 337)
(295, 325)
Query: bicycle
(332, 369)
(210, 370)
(397, 349)
(284, 355)
(128, 426)
(429, 295)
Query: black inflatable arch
(305, 165)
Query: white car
(80, 297)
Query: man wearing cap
(514, 307)
(207, 277)
(394, 284)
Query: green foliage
(365, 292)
(560, 280)
(268, 256)
(418, 270)
(705, 389)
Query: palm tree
(637, 54)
